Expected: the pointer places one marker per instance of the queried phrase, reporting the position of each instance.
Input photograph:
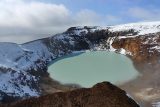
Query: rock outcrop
(101, 95)
(144, 49)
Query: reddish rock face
(143, 49)
(101, 95)
(146, 58)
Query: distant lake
(87, 69)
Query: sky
(26, 20)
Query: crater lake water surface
(87, 69)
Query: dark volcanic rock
(101, 95)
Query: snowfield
(142, 28)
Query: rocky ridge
(101, 95)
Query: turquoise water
(89, 68)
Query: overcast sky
(26, 20)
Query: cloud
(31, 14)
(19, 18)
(25, 20)
(144, 14)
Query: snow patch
(124, 52)
(110, 41)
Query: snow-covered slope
(142, 28)
(20, 64)
(15, 62)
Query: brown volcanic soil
(101, 95)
